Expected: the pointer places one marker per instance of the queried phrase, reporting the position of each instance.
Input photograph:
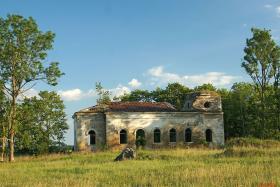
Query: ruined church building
(153, 124)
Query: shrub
(252, 142)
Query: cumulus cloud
(158, 76)
(274, 8)
(78, 94)
(28, 94)
(75, 94)
(119, 90)
(134, 83)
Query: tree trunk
(3, 148)
(262, 113)
(11, 129)
(11, 155)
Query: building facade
(150, 124)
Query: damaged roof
(131, 107)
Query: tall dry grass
(237, 166)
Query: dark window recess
(156, 136)
(92, 137)
(140, 133)
(123, 137)
(208, 135)
(207, 104)
(172, 135)
(188, 135)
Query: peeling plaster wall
(108, 126)
(132, 121)
(83, 123)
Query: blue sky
(129, 44)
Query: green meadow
(235, 166)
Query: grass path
(178, 167)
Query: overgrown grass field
(236, 166)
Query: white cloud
(268, 6)
(134, 83)
(158, 74)
(75, 94)
(119, 90)
(278, 11)
(275, 8)
(28, 94)
(78, 94)
(159, 77)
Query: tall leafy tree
(42, 123)
(261, 55)
(23, 52)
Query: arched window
(123, 137)
(188, 135)
(140, 138)
(92, 137)
(172, 135)
(156, 136)
(208, 134)
(140, 133)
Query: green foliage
(23, 54)
(252, 142)
(137, 95)
(205, 87)
(140, 141)
(103, 95)
(23, 51)
(174, 93)
(262, 63)
(261, 58)
(42, 123)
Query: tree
(261, 56)
(23, 52)
(103, 95)
(205, 87)
(174, 93)
(137, 95)
(42, 123)
(276, 85)
(240, 111)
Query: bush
(252, 142)
(140, 142)
(248, 147)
